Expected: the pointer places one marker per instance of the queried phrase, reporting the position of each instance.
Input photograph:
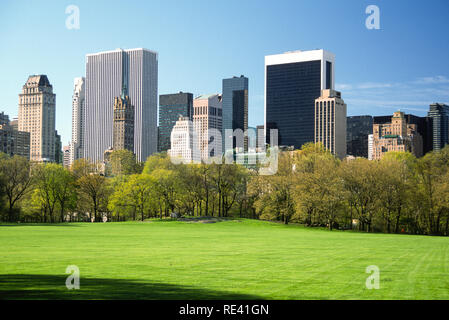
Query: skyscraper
(439, 112)
(184, 143)
(171, 107)
(37, 116)
(105, 73)
(66, 156)
(358, 128)
(123, 133)
(330, 122)
(12, 141)
(293, 81)
(207, 122)
(78, 120)
(235, 107)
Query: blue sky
(404, 65)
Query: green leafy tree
(16, 182)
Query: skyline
(376, 70)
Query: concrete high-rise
(235, 109)
(439, 112)
(330, 122)
(171, 107)
(37, 116)
(207, 122)
(12, 141)
(66, 156)
(293, 81)
(105, 74)
(78, 120)
(184, 142)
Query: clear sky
(404, 65)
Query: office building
(235, 110)
(4, 118)
(423, 126)
(184, 142)
(171, 107)
(439, 113)
(15, 123)
(78, 120)
(358, 128)
(260, 146)
(105, 74)
(330, 122)
(13, 142)
(123, 133)
(207, 122)
(396, 135)
(66, 156)
(293, 81)
(59, 156)
(370, 146)
(37, 116)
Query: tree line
(397, 194)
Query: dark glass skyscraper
(358, 128)
(439, 113)
(235, 105)
(171, 107)
(293, 81)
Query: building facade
(78, 120)
(439, 113)
(423, 127)
(330, 122)
(235, 109)
(66, 156)
(105, 74)
(12, 141)
(37, 116)
(293, 81)
(184, 142)
(207, 122)
(397, 135)
(59, 156)
(358, 128)
(123, 133)
(171, 107)
(260, 146)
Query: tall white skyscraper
(107, 73)
(78, 120)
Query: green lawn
(225, 260)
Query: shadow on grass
(42, 287)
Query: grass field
(225, 260)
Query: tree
(17, 181)
(123, 162)
(431, 171)
(165, 187)
(93, 189)
(360, 178)
(46, 188)
(136, 194)
(395, 172)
